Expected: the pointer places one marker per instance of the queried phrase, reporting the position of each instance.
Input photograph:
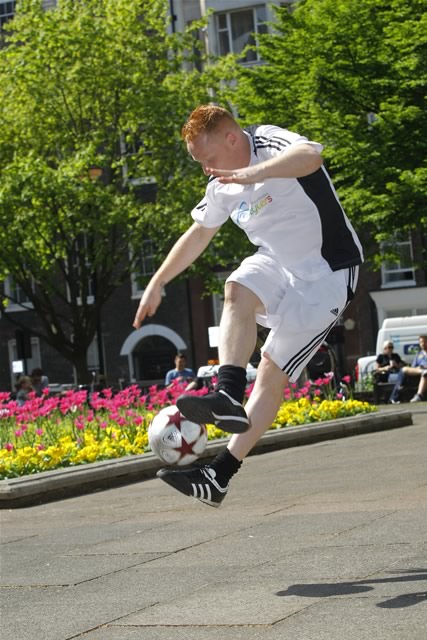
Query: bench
(382, 390)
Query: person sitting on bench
(418, 368)
(387, 363)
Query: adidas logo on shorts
(335, 311)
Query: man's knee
(236, 294)
(270, 373)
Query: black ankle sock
(225, 465)
(232, 379)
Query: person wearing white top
(272, 184)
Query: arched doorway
(153, 357)
(151, 351)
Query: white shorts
(299, 313)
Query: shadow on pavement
(327, 590)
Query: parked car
(209, 371)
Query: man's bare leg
(422, 387)
(237, 331)
(223, 407)
(261, 407)
(210, 483)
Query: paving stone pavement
(320, 542)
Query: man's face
(423, 344)
(216, 150)
(180, 363)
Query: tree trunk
(78, 360)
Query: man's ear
(231, 138)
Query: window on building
(238, 29)
(92, 355)
(18, 299)
(144, 267)
(81, 268)
(398, 271)
(132, 148)
(289, 5)
(7, 11)
(30, 363)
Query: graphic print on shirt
(245, 211)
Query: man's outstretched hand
(149, 304)
(246, 175)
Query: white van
(403, 333)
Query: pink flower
(103, 425)
(346, 379)
(39, 432)
(40, 447)
(202, 392)
(45, 391)
(79, 423)
(339, 396)
(8, 446)
(18, 433)
(249, 389)
(317, 392)
(138, 420)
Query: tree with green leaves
(352, 74)
(93, 94)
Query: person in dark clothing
(387, 362)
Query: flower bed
(51, 432)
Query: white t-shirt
(297, 220)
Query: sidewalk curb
(72, 481)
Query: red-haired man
(272, 184)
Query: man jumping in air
(272, 184)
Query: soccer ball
(174, 439)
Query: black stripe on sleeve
(279, 147)
(278, 139)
